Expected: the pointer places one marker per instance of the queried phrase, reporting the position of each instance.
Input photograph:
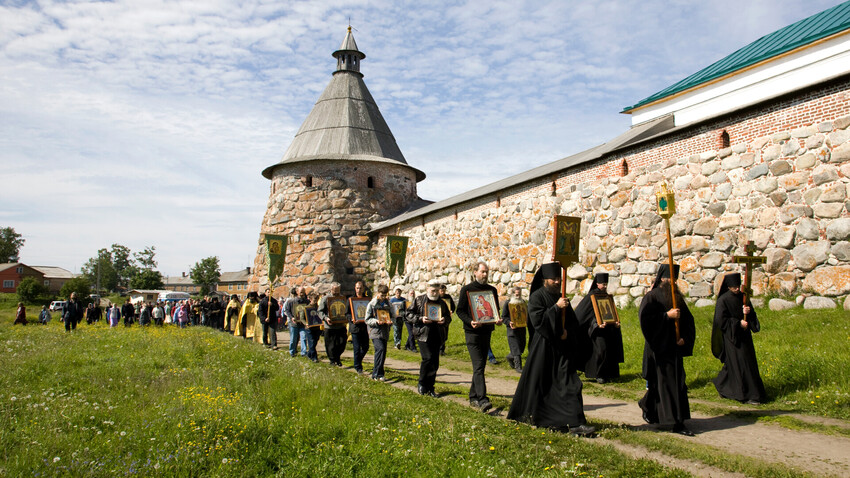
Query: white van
(57, 305)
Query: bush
(31, 291)
(80, 285)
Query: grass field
(196, 402)
(802, 357)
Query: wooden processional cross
(749, 261)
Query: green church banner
(275, 255)
(396, 252)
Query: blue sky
(147, 123)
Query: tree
(206, 274)
(123, 264)
(147, 279)
(10, 245)
(80, 285)
(145, 260)
(30, 290)
(108, 275)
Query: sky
(148, 122)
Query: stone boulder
(780, 304)
(777, 260)
(816, 303)
(704, 303)
(829, 281)
(810, 255)
(838, 230)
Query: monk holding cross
(735, 321)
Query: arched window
(625, 168)
(307, 181)
(370, 182)
(724, 139)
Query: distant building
(11, 275)
(234, 282)
(55, 277)
(181, 283)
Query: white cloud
(148, 123)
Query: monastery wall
(782, 182)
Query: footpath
(805, 451)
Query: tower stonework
(342, 173)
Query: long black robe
(607, 343)
(739, 378)
(549, 390)
(666, 398)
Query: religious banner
(483, 305)
(396, 252)
(358, 308)
(312, 316)
(384, 317)
(519, 314)
(337, 308)
(565, 240)
(604, 309)
(275, 255)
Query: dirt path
(803, 450)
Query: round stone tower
(342, 172)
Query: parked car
(57, 305)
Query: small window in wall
(307, 181)
(554, 188)
(46, 282)
(624, 168)
(19, 270)
(724, 139)
(498, 201)
(8, 284)
(370, 182)
(349, 270)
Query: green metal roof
(803, 32)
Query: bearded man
(549, 391)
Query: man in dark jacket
(549, 391)
(477, 334)
(429, 330)
(72, 312)
(267, 314)
(128, 312)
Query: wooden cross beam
(749, 261)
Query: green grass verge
(196, 402)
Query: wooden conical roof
(345, 123)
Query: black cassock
(739, 378)
(666, 398)
(549, 390)
(607, 343)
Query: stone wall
(325, 208)
(782, 184)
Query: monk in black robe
(732, 343)
(549, 390)
(607, 339)
(666, 398)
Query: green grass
(196, 402)
(802, 356)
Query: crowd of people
(561, 341)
